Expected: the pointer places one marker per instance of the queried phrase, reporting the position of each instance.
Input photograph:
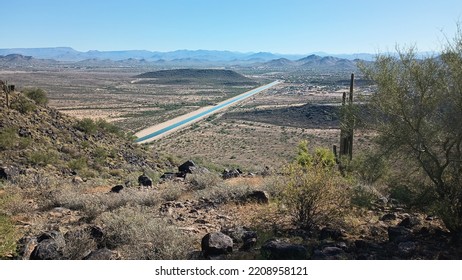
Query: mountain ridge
(70, 54)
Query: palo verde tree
(418, 109)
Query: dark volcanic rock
(216, 243)
(227, 174)
(242, 235)
(3, 174)
(7, 172)
(49, 247)
(187, 167)
(144, 181)
(330, 253)
(280, 250)
(117, 189)
(259, 197)
(330, 233)
(410, 222)
(399, 234)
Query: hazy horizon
(282, 27)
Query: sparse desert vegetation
(260, 176)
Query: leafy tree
(418, 108)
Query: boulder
(187, 167)
(24, 132)
(8, 172)
(399, 234)
(233, 173)
(216, 243)
(144, 181)
(330, 233)
(330, 253)
(3, 173)
(26, 246)
(410, 222)
(261, 197)
(117, 189)
(49, 247)
(242, 235)
(96, 232)
(280, 250)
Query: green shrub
(313, 196)
(38, 95)
(87, 125)
(42, 158)
(78, 163)
(103, 125)
(303, 157)
(415, 195)
(324, 157)
(8, 138)
(368, 168)
(313, 192)
(22, 104)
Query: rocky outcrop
(399, 234)
(144, 181)
(233, 173)
(187, 167)
(50, 246)
(243, 236)
(216, 243)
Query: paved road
(157, 131)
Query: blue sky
(285, 26)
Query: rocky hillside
(35, 138)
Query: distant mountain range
(51, 57)
(71, 55)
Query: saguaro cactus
(4, 86)
(347, 122)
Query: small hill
(279, 63)
(315, 61)
(18, 60)
(189, 76)
(39, 139)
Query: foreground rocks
(216, 243)
(281, 250)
